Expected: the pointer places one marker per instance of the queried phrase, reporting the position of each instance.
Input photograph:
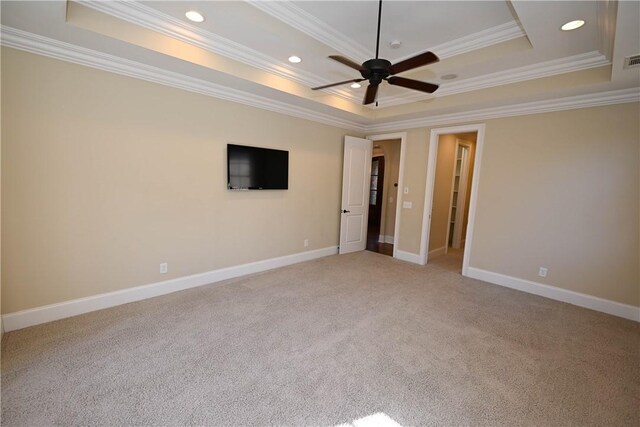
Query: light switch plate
(407, 205)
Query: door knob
(345, 211)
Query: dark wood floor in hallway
(373, 245)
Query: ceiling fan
(378, 69)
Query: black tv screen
(254, 168)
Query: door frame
(380, 195)
(402, 136)
(462, 191)
(430, 182)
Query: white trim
(558, 104)
(576, 298)
(139, 14)
(402, 136)
(461, 202)
(485, 38)
(303, 21)
(148, 17)
(473, 199)
(407, 256)
(569, 64)
(385, 239)
(428, 196)
(430, 182)
(437, 252)
(33, 43)
(49, 313)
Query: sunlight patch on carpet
(379, 419)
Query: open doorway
(383, 195)
(453, 164)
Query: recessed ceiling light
(572, 25)
(194, 16)
(356, 85)
(295, 59)
(449, 77)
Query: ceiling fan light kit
(377, 69)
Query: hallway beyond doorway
(451, 261)
(374, 245)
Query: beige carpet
(329, 342)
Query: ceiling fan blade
(337, 84)
(415, 62)
(347, 62)
(370, 96)
(413, 84)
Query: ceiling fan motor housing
(376, 70)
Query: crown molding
(147, 17)
(550, 105)
(136, 13)
(303, 21)
(33, 43)
(485, 38)
(583, 61)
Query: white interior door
(356, 180)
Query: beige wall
(558, 190)
(104, 177)
(391, 150)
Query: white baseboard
(49, 313)
(437, 252)
(408, 256)
(385, 239)
(576, 298)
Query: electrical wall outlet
(306, 243)
(164, 267)
(542, 272)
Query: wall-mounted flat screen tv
(254, 168)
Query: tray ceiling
(501, 52)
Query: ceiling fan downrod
(379, 19)
(378, 69)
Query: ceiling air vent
(632, 61)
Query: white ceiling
(503, 52)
